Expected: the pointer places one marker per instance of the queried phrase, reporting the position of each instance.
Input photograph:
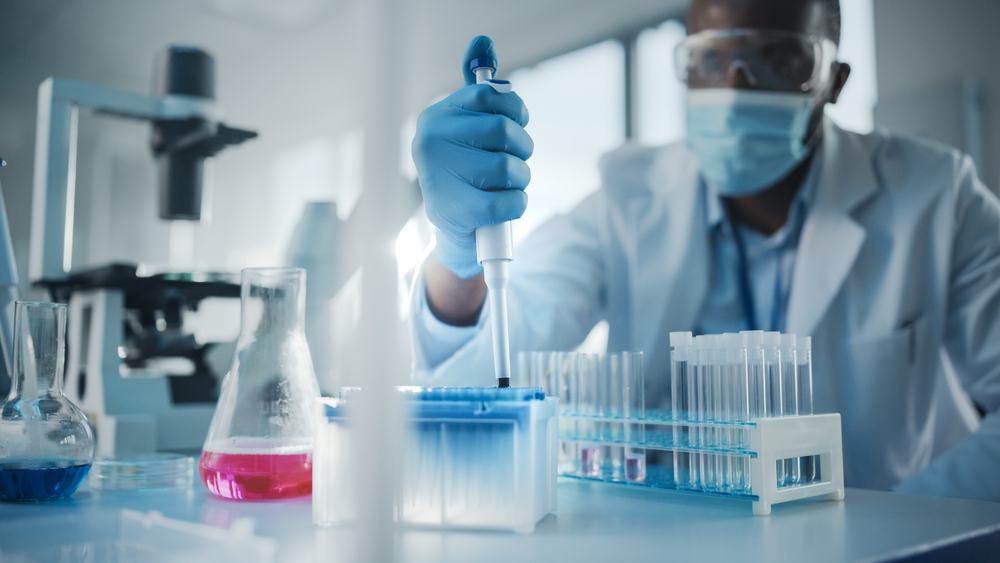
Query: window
(576, 104)
(659, 117)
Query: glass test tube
(716, 413)
(790, 398)
(590, 453)
(803, 358)
(737, 348)
(696, 412)
(726, 361)
(772, 374)
(634, 403)
(523, 371)
(612, 406)
(756, 391)
(532, 369)
(703, 372)
(681, 349)
(755, 373)
(564, 367)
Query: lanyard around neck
(797, 216)
(746, 290)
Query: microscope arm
(55, 158)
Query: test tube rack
(741, 423)
(758, 445)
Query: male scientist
(885, 249)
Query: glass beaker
(261, 439)
(46, 444)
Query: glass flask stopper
(261, 440)
(46, 444)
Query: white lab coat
(897, 272)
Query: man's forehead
(800, 16)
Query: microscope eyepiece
(191, 72)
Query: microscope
(144, 379)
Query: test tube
(565, 363)
(692, 414)
(698, 439)
(706, 470)
(727, 366)
(634, 409)
(590, 453)
(681, 343)
(533, 374)
(756, 367)
(550, 373)
(772, 362)
(803, 358)
(523, 371)
(757, 397)
(739, 371)
(612, 407)
(717, 358)
(790, 398)
(575, 407)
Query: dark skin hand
(458, 302)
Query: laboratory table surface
(594, 522)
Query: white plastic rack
(752, 454)
(740, 426)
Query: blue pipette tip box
(472, 457)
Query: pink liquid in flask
(257, 476)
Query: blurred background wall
(593, 74)
(937, 77)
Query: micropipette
(495, 248)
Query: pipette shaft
(496, 282)
(494, 250)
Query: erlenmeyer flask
(261, 440)
(46, 445)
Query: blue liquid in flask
(40, 483)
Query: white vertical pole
(8, 290)
(53, 155)
(377, 421)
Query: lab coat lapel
(831, 238)
(675, 242)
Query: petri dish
(142, 471)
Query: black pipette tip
(503, 382)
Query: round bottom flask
(46, 444)
(260, 444)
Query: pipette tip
(503, 382)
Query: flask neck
(39, 349)
(271, 316)
(27, 385)
(273, 303)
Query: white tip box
(473, 457)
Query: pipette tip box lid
(140, 471)
(472, 457)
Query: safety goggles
(769, 59)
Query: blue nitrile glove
(470, 150)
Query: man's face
(794, 17)
(779, 58)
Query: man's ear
(841, 71)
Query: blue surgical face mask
(746, 140)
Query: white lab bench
(594, 522)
